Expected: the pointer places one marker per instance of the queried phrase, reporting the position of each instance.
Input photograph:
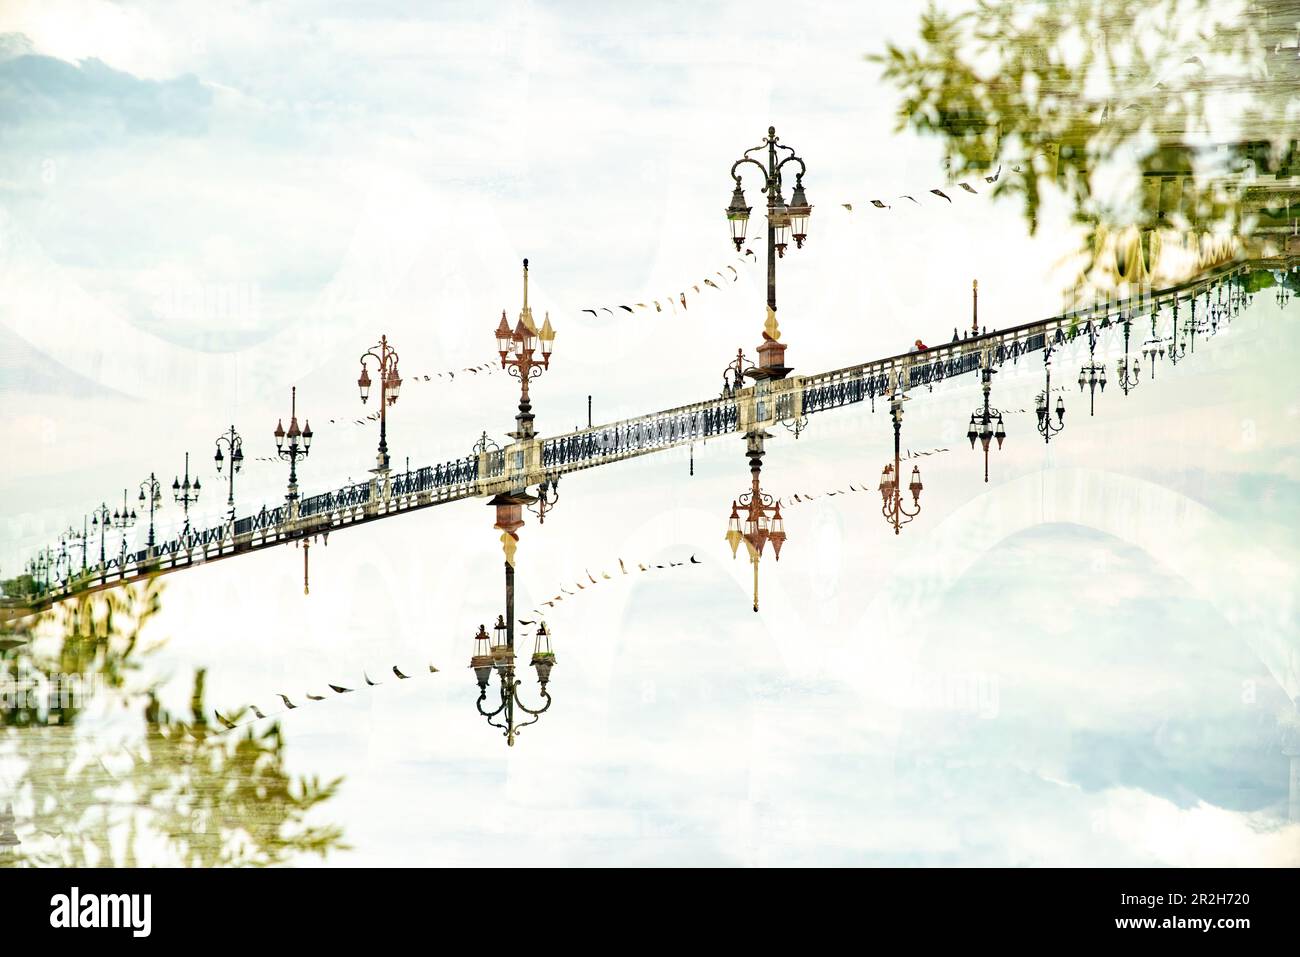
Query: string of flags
(233, 721)
(673, 300)
(732, 275)
(250, 713)
(605, 576)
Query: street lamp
(1127, 373)
(1093, 374)
(1154, 347)
(548, 493)
(733, 376)
(1042, 406)
(1177, 348)
(235, 446)
(762, 521)
(151, 493)
(783, 221)
(299, 444)
(891, 498)
(185, 493)
(123, 520)
(80, 539)
(986, 422)
(390, 387)
(517, 347)
(497, 654)
(101, 518)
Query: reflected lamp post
(762, 521)
(1093, 374)
(497, 653)
(892, 508)
(1042, 406)
(1125, 372)
(986, 422)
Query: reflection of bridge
(532, 460)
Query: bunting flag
(678, 298)
(605, 576)
(232, 719)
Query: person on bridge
(920, 346)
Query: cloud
(53, 102)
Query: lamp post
(517, 348)
(1154, 347)
(80, 539)
(39, 568)
(185, 493)
(1177, 348)
(783, 222)
(151, 493)
(123, 520)
(548, 493)
(733, 376)
(1127, 373)
(299, 445)
(497, 653)
(891, 498)
(1043, 405)
(235, 448)
(100, 518)
(762, 521)
(982, 422)
(1093, 375)
(390, 387)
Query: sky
(1089, 660)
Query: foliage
(170, 786)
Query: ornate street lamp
(151, 494)
(298, 446)
(497, 654)
(39, 568)
(783, 222)
(1177, 347)
(390, 387)
(733, 376)
(517, 348)
(762, 521)
(1154, 347)
(185, 493)
(100, 519)
(891, 498)
(548, 493)
(235, 447)
(1042, 405)
(986, 422)
(80, 539)
(1125, 372)
(1093, 375)
(123, 520)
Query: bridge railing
(647, 433)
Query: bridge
(532, 460)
